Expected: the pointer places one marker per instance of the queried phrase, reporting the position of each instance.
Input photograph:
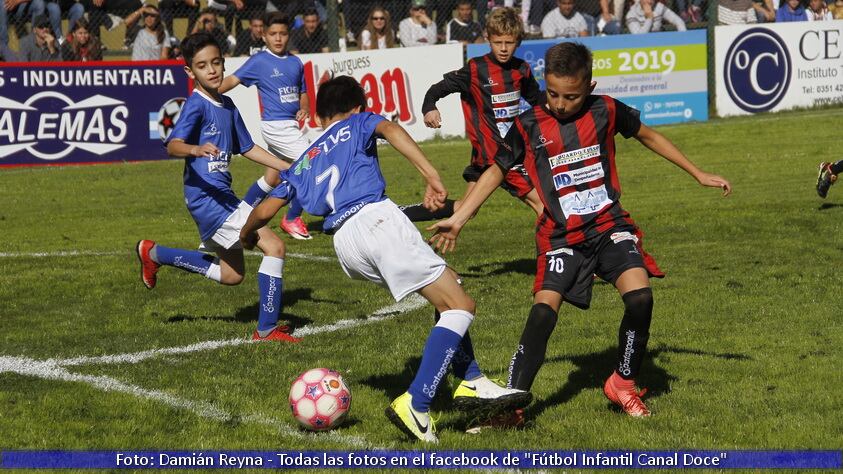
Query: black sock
(836, 168)
(419, 213)
(634, 332)
(529, 356)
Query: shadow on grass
(526, 266)
(592, 370)
(828, 205)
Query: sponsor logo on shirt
(491, 83)
(574, 156)
(211, 131)
(543, 142)
(507, 112)
(618, 237)
(578, 176)
(276, 72)
(508, 97)
(219, 163)
(584, 202)
(288, 94)
(564, 250)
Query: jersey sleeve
(454, 81)
(284, 191)
(302, 83)
(241, 133)
(511, 152)
(247, 73)
(367, 126)
(189, 119)
(530, 90)
(627, 119)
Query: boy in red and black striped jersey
(491, 88)
(567, 147)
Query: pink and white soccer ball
(320, 399)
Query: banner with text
(66, 113)
(661, 74)
(395, 81)
(778, 66)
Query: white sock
(214, 271)
(272, 266)
(265, 187)
(456, 320)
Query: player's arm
(261, 156)
(259, 217)
(230, 82)
(435, 194)
(455, 81)
(179, 149)
(660, 144)
(304, 107)
(445, 234)
(531, 91)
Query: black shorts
(515, 181)
(570, 271)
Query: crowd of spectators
(369, 24)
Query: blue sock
(294, 209)
(464, 364)
(270, 286)
(257, 191)
(439, 350)
(188, 260)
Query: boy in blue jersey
(283, 99)
(209, 131)
(339, 178)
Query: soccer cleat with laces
(295, 228)
(414, 423)
(149, 268)
(825, 178)
(622, 393)
(485, 395)
(279, 334)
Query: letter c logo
(757, 70)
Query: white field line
(50, 371)
(410, 303)
(53, 369)
(94, 253)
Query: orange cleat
(279, 334)
(295, 228)
(622, 393)
(149, 268)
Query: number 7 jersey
(339, 173)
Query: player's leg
(621, 263)
(271, 288)
(532, 199)
(518, 184)
(530, 354)
(152, 256)
(286, 141)
(260, 188)
(232, 266)
(827, 176)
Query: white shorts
(284, 139)
(227, 235)
(380, 244)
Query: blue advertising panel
(71, 113)
(663, 75)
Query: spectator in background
(417, 29)
(378, 33)
(209, 23)
(463, 28)
(735, 12)
(152, 41)
(444, 12)
(691, 11)
(40, 45)
(792, 10)
(17, 11)
(837, 9)
(7, 55)
(765, 12)
(310, 37)
(250, 41)
(643, 17)
(80, 45)
(235, 11)
(179, 9)
(110, 14)
(818, 11)
(564, 22)
(74, 10)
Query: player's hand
(302, 115)
(208, 150)
(714, 181)
(435, 195)
(248, 241)
(607, 17)
(444, 239)
(433, 119)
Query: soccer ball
(320, 399)
(168, 115)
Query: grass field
(745, 347)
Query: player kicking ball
(568, 149)
(208, 133)
(339, 178)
